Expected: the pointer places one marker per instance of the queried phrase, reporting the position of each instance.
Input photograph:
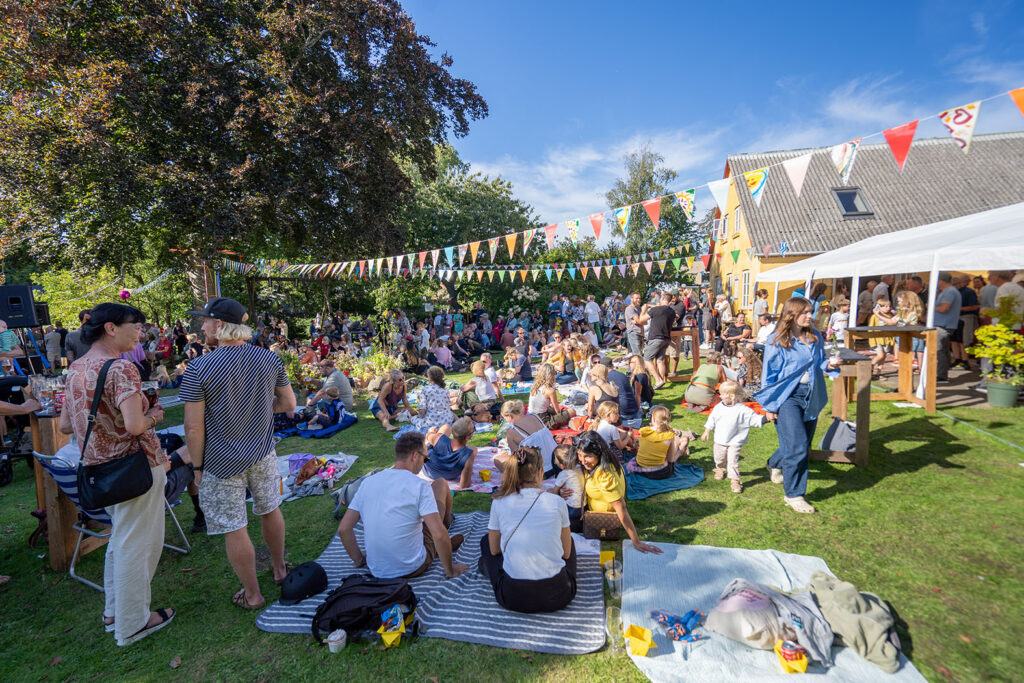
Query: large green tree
(177, 127)
(458, 206)
(647, 177)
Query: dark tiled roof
(938, 182)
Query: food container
(337, 640)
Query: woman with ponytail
(528, 553)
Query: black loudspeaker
(18, 307)
(43, 313)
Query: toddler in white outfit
(731, 422)
(569, 483)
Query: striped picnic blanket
(464, 608)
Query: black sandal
(145, 631)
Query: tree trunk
(250, 290)
(453, 293)
(198, 285)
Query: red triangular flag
(549, 231)
(423, 258)
(767, 249)
(1017, 95)
(706, 258)
(596, 221)
(653, 209)
(899, 139)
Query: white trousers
(133, 551)
(730, 456)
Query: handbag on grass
(605, 526)
(114, 481)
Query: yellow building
(937, 182)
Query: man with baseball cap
(231, 395)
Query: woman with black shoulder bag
(122, 468)
(528, 554)
(604, 493)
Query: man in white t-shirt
(405, 518)
(1007, 288)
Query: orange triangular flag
(523, 274)
(510, 240)
(653, 209)
(474, 247)
(1017, 95)
(596, 221)
(584, 270)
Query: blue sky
(573, 86)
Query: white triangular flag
(720, 191)
(796, 169)
(960, 124)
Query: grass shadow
(904, 447)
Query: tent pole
(854, 295)
(775, 298)
(933, 286)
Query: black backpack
(356, 605)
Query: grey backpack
(347, 491)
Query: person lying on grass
(405, 518)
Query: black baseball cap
(224, 309)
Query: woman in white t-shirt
(528, 554)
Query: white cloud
(978, 24)
(996, 75)
(868, 101)
(570, 182)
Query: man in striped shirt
(231, 395)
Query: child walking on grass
(569, 483)
(731, 421)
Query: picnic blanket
(345, 464)
(484, 461)
(639, 487)
(753, 405)
(689, 577)
(464, 608)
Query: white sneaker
(777, 477)
(799, 504)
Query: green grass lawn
(934, 525)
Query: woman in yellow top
(605, 484)
(659, 447)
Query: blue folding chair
(65, 475)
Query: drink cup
(337, 640)
(485, 475)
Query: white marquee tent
(989, 240)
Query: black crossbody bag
(114, 481)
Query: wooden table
(854, 376)
(694, 335)
(61, 513)
(905, 357)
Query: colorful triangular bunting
(899, 139)
(843, 155)
(960, 123)
(653, 209)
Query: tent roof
(989, 240)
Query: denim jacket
(783, 368)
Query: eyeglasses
(426, 455)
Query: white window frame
(736, 220)
(725, 225)
(745, 301)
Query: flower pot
(1001, 395)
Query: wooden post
(931, 343)
(61, 513)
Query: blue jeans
(795, 429)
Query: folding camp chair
(66, 477)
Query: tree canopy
(184, 127)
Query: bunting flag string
(959, 121)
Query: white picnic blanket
(689, 577)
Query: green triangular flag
(676, 262)
(735, 255)
(501, 275)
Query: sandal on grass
(109, 628)
(288, 567)
(239, 600)
(166, 616)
